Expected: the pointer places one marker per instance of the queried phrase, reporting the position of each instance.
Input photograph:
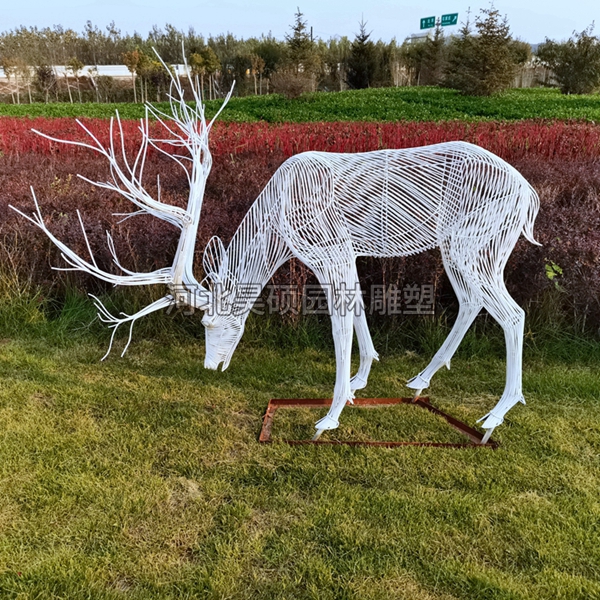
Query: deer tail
(532, 211)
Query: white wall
(117, 71)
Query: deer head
(223, 321)
(186, 130)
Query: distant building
(116, 71)
(415, 38)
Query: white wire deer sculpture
(327, 209)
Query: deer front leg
(342, 393)
(470, 304)
(466, 315)
(342, 294)
(366, 349)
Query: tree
(198, 69)
(93, 75)
(204, 62)
(132, 61)
(521, 51)
(575, 64)
(159, 77)
(362, 62)
(434, 58)
(93, 37)
(212, 65)
(298, 71)
(335, 54)
(384, 54)
(145, 68)
(45, 80)
(411, 57)
(106, 88)
(75, 66)
(258, 68)
(24, 71)
(427, 58)
(484, 63)
(10, 68)
(227, 48)
(167, 43)
(301, 48)
(272, 51)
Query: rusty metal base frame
(473, 435)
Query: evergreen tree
(298, 72)
(45, 81)
(427, 58)
(575, 64)
(362, 62)
(302, 55)
(434, 58)
(484, 63)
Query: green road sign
(428, 22)
(451, 19)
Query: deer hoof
(491, 421)
(487, 436)
(417, 395)
(326, 423)
(417, 383)
(357, 383)
(317, 435)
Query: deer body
(328, 209)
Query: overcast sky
(531, 21)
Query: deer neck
(183, 265)
(256, 251)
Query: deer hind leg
(511, 318)
(366, 348)
(341, 290)
(470, 304)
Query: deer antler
(185, 129)
(78, 263)
(115, 322)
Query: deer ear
(215, 260)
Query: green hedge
(382, 104)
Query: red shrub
(561, 160)
(511, 141)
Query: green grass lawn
(380, 104)
(142, 477)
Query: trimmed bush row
(511, 141)
(416, 103)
